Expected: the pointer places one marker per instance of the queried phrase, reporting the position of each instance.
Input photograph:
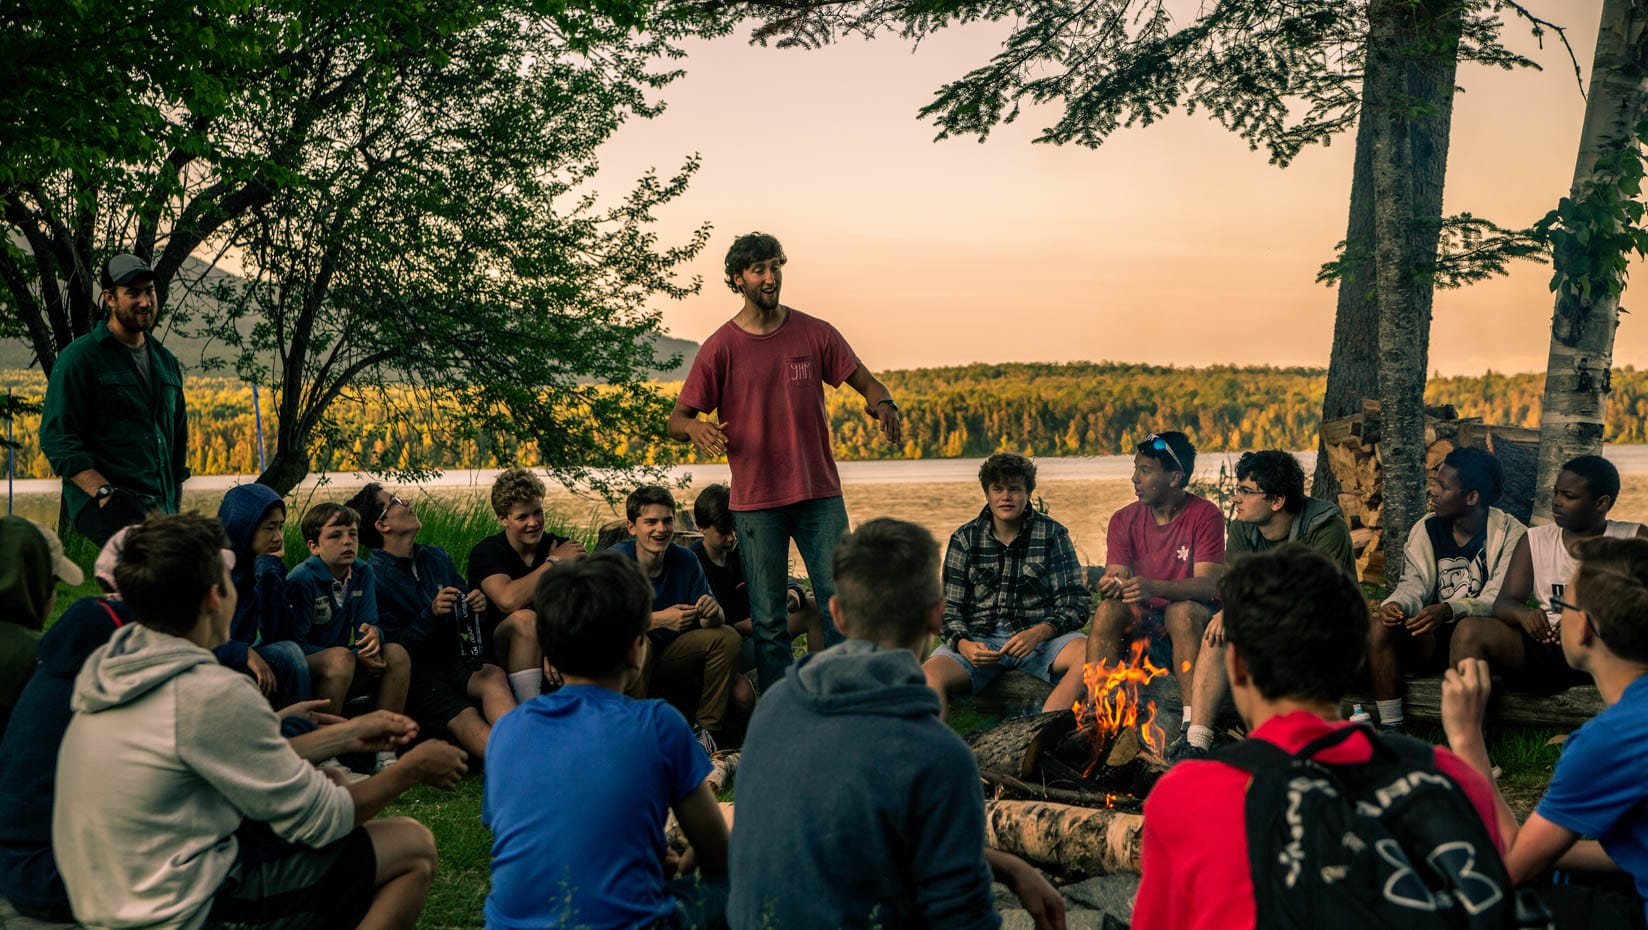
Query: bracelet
(889, 402)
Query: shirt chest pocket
(120, 398)
(800, 371)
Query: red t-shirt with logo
(769, 391)
(1195, 865)
(1166, 553)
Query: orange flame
(1112, 703)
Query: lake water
(939, 494)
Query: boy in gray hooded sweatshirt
(169, 752)
(895, 836)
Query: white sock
(1390, 712)
(386, 758)
(526, 685)
(1200, 737)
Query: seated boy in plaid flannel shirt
(1015, 595)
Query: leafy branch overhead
(404, 192)
(1596, 234)
(1282, 76)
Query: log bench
(1018, 693)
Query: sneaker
(386, 761)
(705, 740)
(1182, 749)
(349, 776)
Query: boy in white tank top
(1519, 641)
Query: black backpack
(1391, 842)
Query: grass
(456, 900)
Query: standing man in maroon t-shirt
(1165, 554)
(763, 372)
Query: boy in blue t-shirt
(691, 642)
(614, 766)
(1600, 788)
(332, 614)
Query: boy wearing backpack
(1598, 789)
(1295, 628)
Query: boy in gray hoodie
(169, 752)
(895, 836)
(1453, 566)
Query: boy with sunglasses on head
(1165, 554)
(1271, 509)
(419, 592)
(1598, 789)
(1521, 641)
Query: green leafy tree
(406, 189)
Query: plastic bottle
(1358, 715)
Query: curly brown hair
(514, 486)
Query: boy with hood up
(31, 564)
(254, 517)
(179, 805)
(895, 836)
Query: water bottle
(470, 642)
(1358, 715)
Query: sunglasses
(1159, 444)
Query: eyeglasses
(1558, 603)
(393, 501)
(1249, 492)
(1159, 444)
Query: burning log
(1015, 746)
(1008, 788)
(1076, 842)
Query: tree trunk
(1015, 746)
(1076, 842)
(1353, 371)
(1416, 80)
(1580, 363)
(287, 467)
(1416, 50)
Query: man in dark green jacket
(115, 426)
(1271, 509)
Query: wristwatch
(104, 491)
(888, 401)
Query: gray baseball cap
(124, 269)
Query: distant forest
(961, 412)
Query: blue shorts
(1038, 663)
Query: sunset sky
(1171, 244)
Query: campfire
(1112, 706)
(1066, 788)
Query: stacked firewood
(1352, 447)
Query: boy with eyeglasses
(1271, 509)
(1598, 789)
(418, 590)
(1165, 553)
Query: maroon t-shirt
(769, 391)
(1166, 553)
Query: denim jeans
(291, 668)
(764, 549)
